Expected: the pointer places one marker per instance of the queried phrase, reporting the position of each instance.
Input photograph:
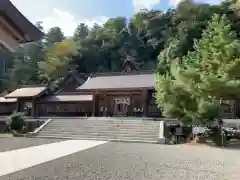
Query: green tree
(204, 75)
(57, 60)
(81, 32)
(21, 72)
(54, 35)
(148, 32)
(24, 66)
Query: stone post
(161, 135)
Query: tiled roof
(4, 100)
(124, 81)
(26, 92)
(69, 98)
(20, 20)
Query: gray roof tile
(4, 100)
(26, 92)
(119, 82)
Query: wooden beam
(11, 30)
(145, 102)
(94, 104)
(131, 105)
(105, 105)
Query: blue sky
(67, 14)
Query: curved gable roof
(27, 92)
(132, 81)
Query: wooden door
(121, 105)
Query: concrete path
(16, 160)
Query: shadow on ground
(233, 145)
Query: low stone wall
(32, 125)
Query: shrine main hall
(126, 93)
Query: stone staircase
(109, 129)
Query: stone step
(101, 125)
(85, 130)
(102, 138)
(153, 134)
(102, 129)
(119, 130)
(105, 121)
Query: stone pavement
(15, 160)
(131, 161)
(12, 143)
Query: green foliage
(219, 138)
(54, 35)
(58, 60)
(81, 32)
(191, 85)
(104, 48)
(211, 69)
(169, 54)
(16, 121)
(21, 72)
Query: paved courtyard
(43, 159)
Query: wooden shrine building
(115, 94)
(15, 30)
(126, 93)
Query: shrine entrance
(27, 108)
(121, 106)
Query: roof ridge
(33, 85)
(122, 81)
(122, 73)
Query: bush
(16, 122)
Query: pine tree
(209, 73)
(212, 69)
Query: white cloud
(174, 2)
(144, 4)
(68, 22)
(211, 1)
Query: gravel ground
(11, 143)
(132, 161)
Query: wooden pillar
(105, 105)
(233, 108)
(94, 104)
(17, 106)
(131, 105)
(33, 109)
(145, 102)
